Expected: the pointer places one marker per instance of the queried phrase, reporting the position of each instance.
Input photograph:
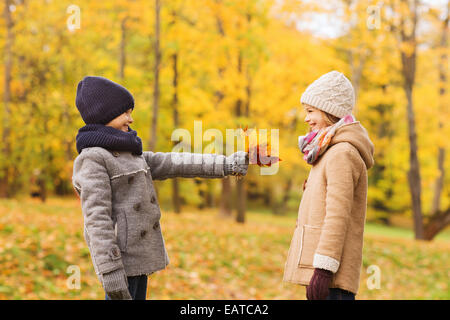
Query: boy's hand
(236, 164)
(115, 284)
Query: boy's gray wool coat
(120, 209)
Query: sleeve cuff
(227, 169)
(115, 281)
(325, 262)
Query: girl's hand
(318, 288)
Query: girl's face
(314, 117)
(122, 122)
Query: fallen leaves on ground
(210, 257)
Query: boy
(113, 178)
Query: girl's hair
(329, 118)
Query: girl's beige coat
(331, 217)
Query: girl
(114, 180)
(326, 249)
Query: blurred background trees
(233, 63)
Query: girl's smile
(314, 118)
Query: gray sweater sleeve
(164, 165)
(91, 181)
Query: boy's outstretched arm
(92, 183)
(164, 165)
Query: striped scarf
(315, 143)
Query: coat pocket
(121, 230)
(309, 241)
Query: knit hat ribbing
(100, 100)
(332, 93)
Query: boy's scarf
(315, 143)
(98, 135)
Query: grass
(210, 258)
(400, 232)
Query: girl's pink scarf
(315, 143)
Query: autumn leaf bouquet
(259, 151)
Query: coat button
(143, 233)
(115, 154)
(153, 199)
(137, 206)
(115, 252)
(130, 180)
(156, 226)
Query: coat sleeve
(342, 174)
(91, 181)
(164, 165)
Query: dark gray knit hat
(100, 100)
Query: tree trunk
(46, 155)
(356, 68)
(248, 90)
(176, 196)
(175, 187)
(282, 205)
(209, 194)
(268, 196)
(225, 199)
(6, 150)
(220, 29)
(439, 221)
(64, 188)
(356, 57)
(436, 224)
(122, 55)
(241, 190)
(384, 132)
(414, 171)
(153, 129)
(225, 204)
(439, 185)
(408, 60)
(42, 189)
(443, 63)
(238, 105)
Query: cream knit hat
(332, 93)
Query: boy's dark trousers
(339, 294)
(137, 286)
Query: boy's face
(122, 122)
(314, 117)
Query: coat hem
(132, 272)
(303, 283)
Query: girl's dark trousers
(339, 294)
